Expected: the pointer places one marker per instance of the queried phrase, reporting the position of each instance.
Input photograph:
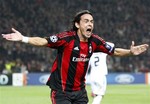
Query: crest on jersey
(54, 38)
(90, 48)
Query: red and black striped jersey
(70, 66)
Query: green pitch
(115, 94)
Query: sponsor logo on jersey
(53, 38)
(75, 59)
(82, 58)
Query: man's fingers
(132, 43)
(6, 35)
(146, 45)
(14, 30)
(142, 48)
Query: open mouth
(89, 30)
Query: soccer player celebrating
(75, 47)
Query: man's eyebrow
(88, 19)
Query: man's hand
(15, 36)
(136, 50)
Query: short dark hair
(78, 17)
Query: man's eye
(92, 21)
(86, 21)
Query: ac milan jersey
(70, 66)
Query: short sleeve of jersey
(107, 48)
(54, 41)
(58, 40)
(101, 45)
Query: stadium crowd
(117, 21)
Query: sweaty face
(85, 27)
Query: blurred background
(117, 21)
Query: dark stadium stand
(118, 21)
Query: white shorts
(98, 84)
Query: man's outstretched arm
(134, 50)
(17, 36)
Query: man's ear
(77, 25)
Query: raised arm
(17, 36)
(134, 50)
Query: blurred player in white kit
(98, 72)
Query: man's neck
(82, 38)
